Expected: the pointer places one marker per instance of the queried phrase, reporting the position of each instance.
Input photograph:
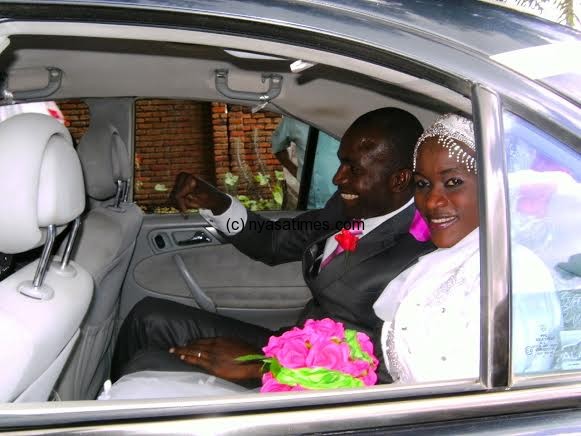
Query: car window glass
(544, 178)
(289, 142)
(43, 107)
(324, 168)
(560, 69)
(243, 153)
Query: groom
(374, 182)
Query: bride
(431, 311)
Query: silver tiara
(451, 129)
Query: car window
(314, 162)
(544, 178)
(43, 107)
(251, 156)
(325, 166)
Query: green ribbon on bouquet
(356, 352)
(316, 378)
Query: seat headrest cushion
(105, 160)
(41, 178)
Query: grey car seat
(105, 246)
(43, 303)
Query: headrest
(40, 178)
(105, 160)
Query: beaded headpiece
(451, 129)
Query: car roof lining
(115, 61)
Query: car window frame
(496, 276)
(181, 408)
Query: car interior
(112, 254)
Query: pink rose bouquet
(321, 355)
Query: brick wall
(171, 136)
(242, 146)
(208, 139)
(76, 114)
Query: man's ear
(401, 179)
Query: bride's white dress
(168, 384)
(432, 315)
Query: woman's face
(446, 194)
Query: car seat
(42, 304)
(105, 246)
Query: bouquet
(321, 355)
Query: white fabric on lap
(166, 384)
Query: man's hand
(190, 192)
(216, 356)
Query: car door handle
(199, 237)
(200, 297)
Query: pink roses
(322, 354)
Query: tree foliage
(566, 9)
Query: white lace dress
(432, 316)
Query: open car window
(257, 157)
(232, 146)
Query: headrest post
(126, 190)
(43, 262)
(36, 288)
(70, 243)
(118, 194)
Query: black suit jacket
(347, 287)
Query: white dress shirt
(231, 222)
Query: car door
(183, 258)
(536, 403)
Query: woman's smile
(441, 223)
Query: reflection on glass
(545, 208)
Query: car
(149, 88)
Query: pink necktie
(355, 230)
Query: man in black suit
(374, 183)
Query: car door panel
(175, 256)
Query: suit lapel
(310, 266)
(374, 242)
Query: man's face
(363, 178)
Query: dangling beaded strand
(450, 129)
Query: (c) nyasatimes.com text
(235, 225)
